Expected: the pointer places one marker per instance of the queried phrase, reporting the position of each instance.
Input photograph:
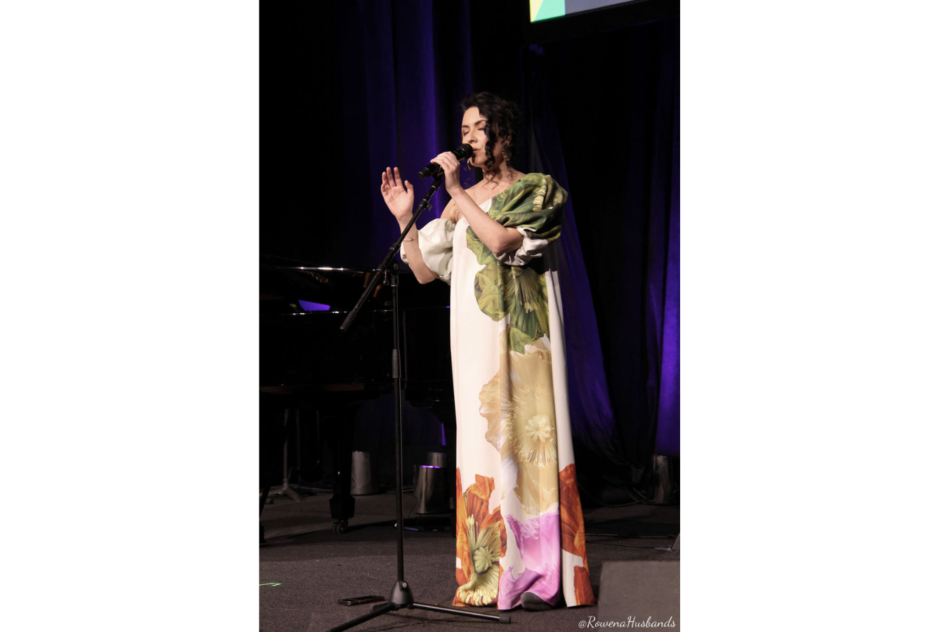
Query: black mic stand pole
(400, 596)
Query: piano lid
(338, 289)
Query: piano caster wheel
(340, 527)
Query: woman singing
(520, 532)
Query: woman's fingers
(390, 181)
(446, 161)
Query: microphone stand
(401, 596)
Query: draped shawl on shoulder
(533, 205)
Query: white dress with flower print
(519, 522)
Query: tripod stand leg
(285, 489)
(502, 617)
(376, 611)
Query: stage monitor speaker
(640, 591)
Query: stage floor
(305, 568)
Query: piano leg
(444, 410)
(342, 504)
(279, 439)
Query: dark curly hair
(503, 121)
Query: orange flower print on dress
(481, 541)
(463, 550)
(583, 592)
(572, 534)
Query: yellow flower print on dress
(519, 406)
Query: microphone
(433, 169)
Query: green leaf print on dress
(534, 203)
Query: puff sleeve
(531, 248)
(534, 208)
(436, 242)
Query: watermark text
(592, 622)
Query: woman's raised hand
(399, 197)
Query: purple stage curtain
(402, 68)
(605, 122)
(592, 419)
(664, 289)
(353, 86)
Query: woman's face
(472, 134)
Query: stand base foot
(401, 597)
(285, 490)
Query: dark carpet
(305, 568)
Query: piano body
(307, 363)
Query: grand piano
(306, 362)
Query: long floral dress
(519, 522)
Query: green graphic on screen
(547, 9)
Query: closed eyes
(468, 131)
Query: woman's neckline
(480, 204)
(511, 184)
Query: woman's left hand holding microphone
(451, 166)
